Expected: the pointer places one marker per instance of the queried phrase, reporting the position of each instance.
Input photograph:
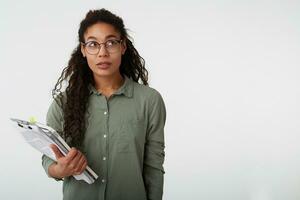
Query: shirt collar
(126, 89)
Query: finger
(73, 164)
(83, 167)
(56, 151)
(76, 160)
(80, 165)
(71, 155)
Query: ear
(82, 50)
(124, 47)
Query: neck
(108, 84)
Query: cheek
(116, 59)
(91, 62)
(118, 62)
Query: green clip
(32, 120)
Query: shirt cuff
(46, 163)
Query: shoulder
(149, 98)
(54, 117)
(149, 94)
(152, 101)
(58, 101)
(55, 110)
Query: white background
(227, 70)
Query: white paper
(40, 137)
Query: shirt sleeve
(54, 119)
(154, 154)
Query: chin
(104, 73)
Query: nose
(102, 51)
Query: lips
(103, 65)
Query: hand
(74, 163)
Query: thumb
(56, 151)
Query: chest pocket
(132, 136)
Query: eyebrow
(108, 36)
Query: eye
(92, 44)
(111, 42)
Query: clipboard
(40, 136)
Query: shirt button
(104, 158)
(104, 136)
(105, 113)
(103, 180)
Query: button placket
(105, 153)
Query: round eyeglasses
(93, 47)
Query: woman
(114, 123)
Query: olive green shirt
(123, 144)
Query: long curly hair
(76, 76)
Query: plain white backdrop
(227, 70)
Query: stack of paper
(41, 136)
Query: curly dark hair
(77, 76)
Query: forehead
(101, 32)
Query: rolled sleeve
(154, 155)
